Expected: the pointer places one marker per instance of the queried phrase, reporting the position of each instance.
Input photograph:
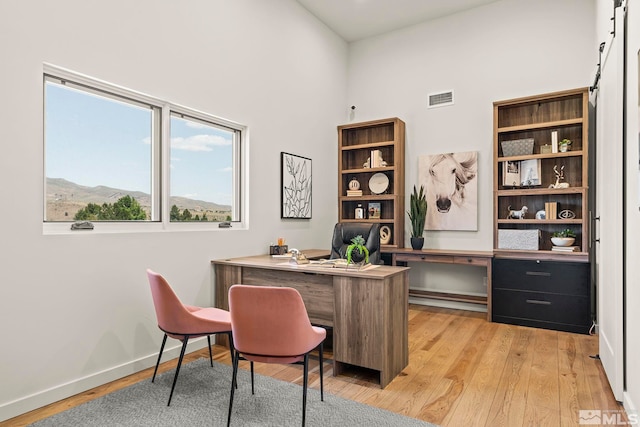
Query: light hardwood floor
(463, 371)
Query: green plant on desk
(357, 245)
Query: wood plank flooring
(463, 371)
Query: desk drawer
(550, 308)
(569, 278)
(469, 260)
(316, 289)
(418, 257)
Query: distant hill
(65, 198)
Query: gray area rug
(201, 398)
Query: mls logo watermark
(606, 417)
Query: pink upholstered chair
(271, 325)
(183, 322)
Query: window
(114, 155)
(202, 165)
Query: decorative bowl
(563, 241)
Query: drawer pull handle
(538, 273)
(535, 301)
(469, 260)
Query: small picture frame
(530, 173)
(374, 210)
(511, 173)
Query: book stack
(376, 158)
(551, 210)
(354, 193)
(564, 248)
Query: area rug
(201, 398)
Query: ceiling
(357, 19)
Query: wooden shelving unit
(542, 287)
(356, 141)
(537, 117)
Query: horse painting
(452, 189)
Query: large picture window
(113, 155)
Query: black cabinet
(544, 294)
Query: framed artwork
(295, 186)
(530, 172)
(511, 173)
(374, 210)
(452, 190)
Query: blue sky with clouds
(93, 141)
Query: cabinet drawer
(569, 278)
(553, 308)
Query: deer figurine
(559, 177)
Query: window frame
(162, 111)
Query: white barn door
(609, 195)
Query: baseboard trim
(45, 397)
(448, 304)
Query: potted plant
(417, 215)
(357, 251)
(564, 145)
(564, 237)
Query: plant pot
(356, 256)
(417, 243)
(563, 241)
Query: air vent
(440, 99)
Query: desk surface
(277, 263)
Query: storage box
(517, 147)
(519, 239)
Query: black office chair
(344, 232)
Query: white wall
(503, 50)
(76, 310)
(632, 271)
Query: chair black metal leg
(164, 341)
(321, 372)
(210, 354)
(231, 350)
(184, 347)
(304, 387)
(230, 336)
(252, 392)
(233, 384)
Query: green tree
(196, 218)
(186, 215)
(174, 215)
(128, 208)
(204, 217)
(88, 213)
(228, 218)
(124, 209)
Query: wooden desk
(367, 309)
(477, 258)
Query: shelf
(366, 197)
(367, 170)
(367, 145)
(542, 255)
(576, 153)
(542, 125)
(448, 296)
(371, 221)
(540, 191)
(540, 221)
